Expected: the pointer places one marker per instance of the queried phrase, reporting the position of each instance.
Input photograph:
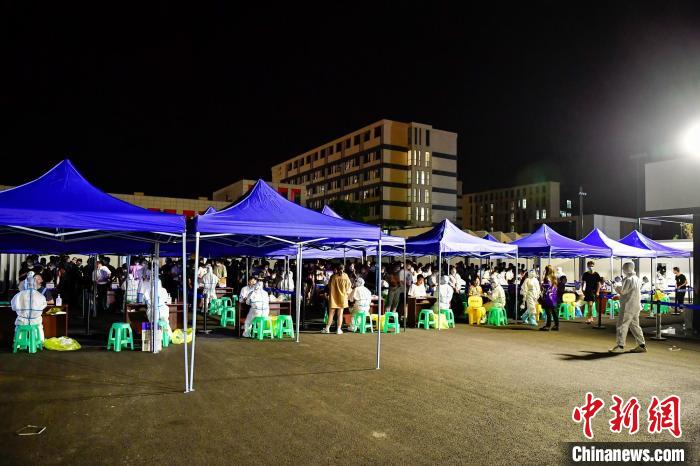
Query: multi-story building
(512, 209)
(406, 173)
(235, 191)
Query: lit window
(417, 217)
(427, 178)
(427, 157)
(524, 203)
(415, 199)
(422, 214)
(409, 214)
(568, 204)
(427, 196)
(422, 177)
(512, 218)
(544, 214)
(537, 214)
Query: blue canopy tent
(616, 248)
(638, 240)
(488, 237)
(546, 242)
(446, 239)
(61, 211)
(265, 218)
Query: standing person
(531, 294)
(209, 280)
(591, 288)
(551, 298)
(630, 307)
(681, 286)
(102, 278)
(339, 287)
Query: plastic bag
(61, 344)
(178, 337)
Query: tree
(687, 230)
(350, 210)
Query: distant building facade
(406, 173)
(233, 192)
(512, 209)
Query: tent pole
(438, 285)
(184, 307)
(126, 288)
(690, 278)
(195, 288)
(156, 312)
(246, 271)
(405, 291)
(299, 294)
(379, 302)
(517, 283)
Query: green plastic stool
(585, 310)
(565, 311)
(27, 337)
(228, 315)
(497, 317)
(262, 326)
(164, 327)
(215, 307)
(361, 321)
(391, 321)
(426, 318)
(284, 326)
(449, 317)
(120, 336)
(611, 307)
(664, 309)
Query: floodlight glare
(690, 140)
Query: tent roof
(263, 212)
(616, 249)
(488, 237)
(450, 240)
(546, 241)
(330, 212)
(638, 240)
(63, 199)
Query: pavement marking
(376, 434)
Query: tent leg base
(658, 338)
(598, 327)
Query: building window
(366, 136)
(422, 177)
(422, 214)
(347, 143)
(377, 131)
(356, 140)
(427, 196)
(427, 137)
(338, 146)
(417, 216)
(537, 215)
(544, 214)
(568, 203)
(409, 214)
(427, 178)
(524, 202)
(491, 207)
(427, 158)
(512, 218)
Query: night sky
(184, 101)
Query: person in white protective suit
(444, 292)
(247, 290)
(29, 304)
(130, 287)
(144, 284)
(531, 293)
(163, 312)
(259, 302)
(630, 307)
(287, 284)
(209, 281)
(361, 298)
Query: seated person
(41, 288)
(246, 290)
(475, 288)
(29, 304)
(259, 302)
(417, 289)
(361, 298)
(497, 296)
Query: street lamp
(690, 140)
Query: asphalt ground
(470, 395)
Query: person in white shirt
(29, 304)
(456, 281)
(246, 290)
(418, 288)
(144, 284)
(361, 298)
(102, 277)
(259, 302)
(209, 280)
(630, 307)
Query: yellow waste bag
(61, 344)
(178, 337)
